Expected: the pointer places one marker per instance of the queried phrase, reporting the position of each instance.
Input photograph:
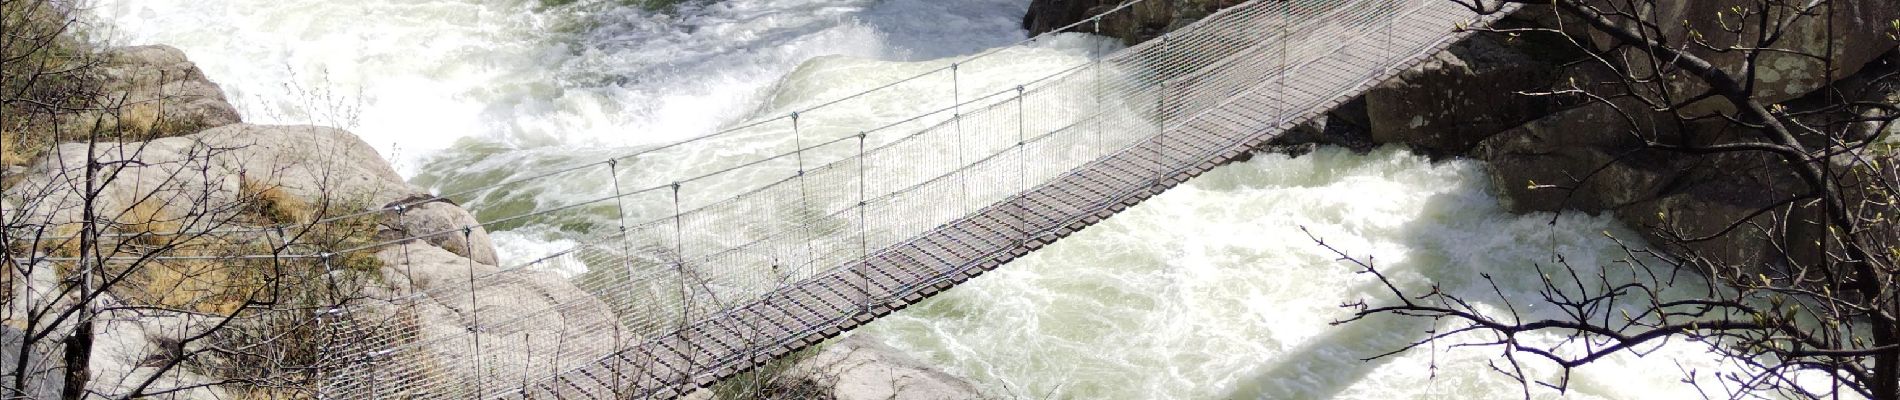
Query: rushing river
(1208, 291)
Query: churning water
(1208, 291)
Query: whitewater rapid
(1207, 291)
(1211, 290)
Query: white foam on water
(414, 77)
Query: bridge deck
(1325, 66)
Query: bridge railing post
(864, 241)
(1101, 109)
(1283, 105)
(956, 115)
(475, 324)
(1099, 117)
(685, 290)
(806, 213)
(1022, 171)
(1163, 73)
(620, 208)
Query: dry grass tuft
(196, 285)
(139, 120)
(145, 120)
(63, 241)
(272, 205)
(149, 224)
(13, 150)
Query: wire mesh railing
(666, 286)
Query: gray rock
(1588, 159)
(1344, 127)
(43, 375)
(529, 323)
(861, 367)
(1459, 97)
(130, 346)
(1579, 159)
(440, 223)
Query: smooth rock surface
(442, 223)
(131, 346)
(1587, 149)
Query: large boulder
(159, 93)
(133, 346)
(1580, 159)
(1342, 127)
(442, 224)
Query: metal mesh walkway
(705, 276)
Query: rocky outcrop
(529, 321)
(862, 367)
(1859, 32)
(328, 168)
(158, 93)
(440, 223)
(1593, 158)
(211, 178)
(1345, 127)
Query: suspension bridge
(732, 262)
